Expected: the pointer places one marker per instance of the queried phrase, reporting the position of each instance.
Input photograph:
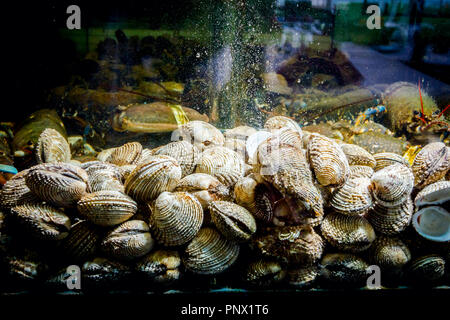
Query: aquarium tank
(232, 146)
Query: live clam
(52, 147)
(343, 269)
(391, 220)
(263, 273)
(278, 122)
(201, 134)
(186, 154)
(302, 277)
(102, 273)
(353, 197)
(16, 192)
(244, 193)
(433, 194)
(161, 266)
(361, 171)
(386, 159)
(357, 155)
(82, 241)
(389, 252)
(432, 223)
(129, 153)
(430, 164)
(426, 270)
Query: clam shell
(184, 152)
(238, 146)
(105, 154)
(103, 176)
(240, 132)
(209, 253)
(162, 266)
(244, 193)
(435, 193)
(129, 153)
(52, 147)
(176, 218)
(386, 159)
(263, 273)
(348, 233)
(148, 180)
(344, 269)
(389, 252)
(107, 208)
(234, 222)
(82, 241)
(432, 223)
(427, 269)
(103, 273)
(302, 277)
(126, 170)
(16, 192)
(146, 155)
(128, 241)
(253, 143)
(278, 122)
(43, 221)
(430, 164)
(353, 198)
(357, 155)
(224, 164)
(264, 203)
(201, 134)
(391, 220)
(61, 184)
(328, 161)
(361, 171)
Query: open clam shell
(353, 197)
(433, 194)
(201, 134)
(52, 147)
(186, 154)
(432, 223)
(430, 164)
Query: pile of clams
(279, 206)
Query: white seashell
(278, 122)
(52, 147)
(201, 134)
(432, 223)
(253, 142)
(436, 193)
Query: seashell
(244, 193)
(240, 132)
(430, 164)
(103, 176)
(263, 273)
(146, 155)
(204, 187)
(186, 154)
(435, 193)
(389, 252)
(329, 163)
(432, 223)
(428, 269)
(103, 273)
(265, 198)
(128, 241)
(253, 143)
(107, 208)
(176, 218)
(52, 147)
(353, 198)
(288, 136)
(201, 134)
(361, 172)
(24, 268)
(209, 253)
(292, 244)
(129, 153)
(43, 221)
(288, 212)
(357, 155)
(343, 269)
(16, 192)
(162, 266)
(105, 154)
(82, 241)
(238, 146)
(386, 159)
(234, 222)
(302, 277)
(278, 122)
(61, 184)
(126, 170)
(392, 185)
(349, 233)
(391, 220)
(224, 164)
(148, 180)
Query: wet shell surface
(430, 164)
(82, 241)
(343, 268)
(238, 146)
(386, 159)
(201, 134)
(103, 272)
(353, 197)
(129, 153)
(244, 193)
(107, 208)
(148, 180)
(263, 273)
(302, 277)
(432, 223)
(209, 253)
(176, 218)
(224, 164)
(186, 154)
(361, 171)
(240, 132)
(348, 233)
(357, 155)
(234, 222)
(278, 122)
(264, 203)
(391, 220)
(426, 269)
(52, 147)
(61, 184)
(328, 161)
(389, 252)
(43, 221)
(162, 266)
(128, 241)
(105, 154)
(435, 193)
(16, 192)
(253, 142)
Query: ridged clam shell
(61, 184)
(126, 170)
(430, 164)
(128, 241)
(386, 159)
(176, 218)
(264, 203)
(349, 233)
(391, 220)
(148, 180)
(238, 146)
(146, 155)
(105, 154)
(43, 221)
(278, 122)
(52, 147)
(162, 266)
(353, 197)
(426, 269)
(16, 192)
(263, 273)
(209, 253)
(328, 161)
(82, 241)
(244, 193)
(361, 171)
(103, 176)
(201, 134)
(184, 152)
(222, 163)
(234, 222)
(357, 155)
(392, 185)
(204, 187)
(302, 277)
(107, 208)
(432, 223)
(129, 153)
(389, 252)
(343, 268)
(24, 268)
(289, 136)
(435, 193)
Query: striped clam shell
(161, 266)
(201, 134)
(60, 184)
(129, 153)
(148, 180)
(146, 155)
(302, 277)
(288, 136)
(361, 171)
(328, 161)
(391, 220)
(386, 159)
(209, 253)
(430, 164)
(82, 241)
(107, 207)
(389, 252)
(103, 176)
(224, 164)
(16, 192)
(392, 185)
(435, 193)
(43, 221)
(126, 170)
(357, 155)
(204, 187)
(428, 269)
(353, 198)
(348, 233)
(278, 122)
(343, 269)
(52, 147)
(128, 241)
(238, 146)
(244, 193)
(234, 222)
(186, 154)
(264, 273)
(105, 154)
(176, 218)
(264, 203)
